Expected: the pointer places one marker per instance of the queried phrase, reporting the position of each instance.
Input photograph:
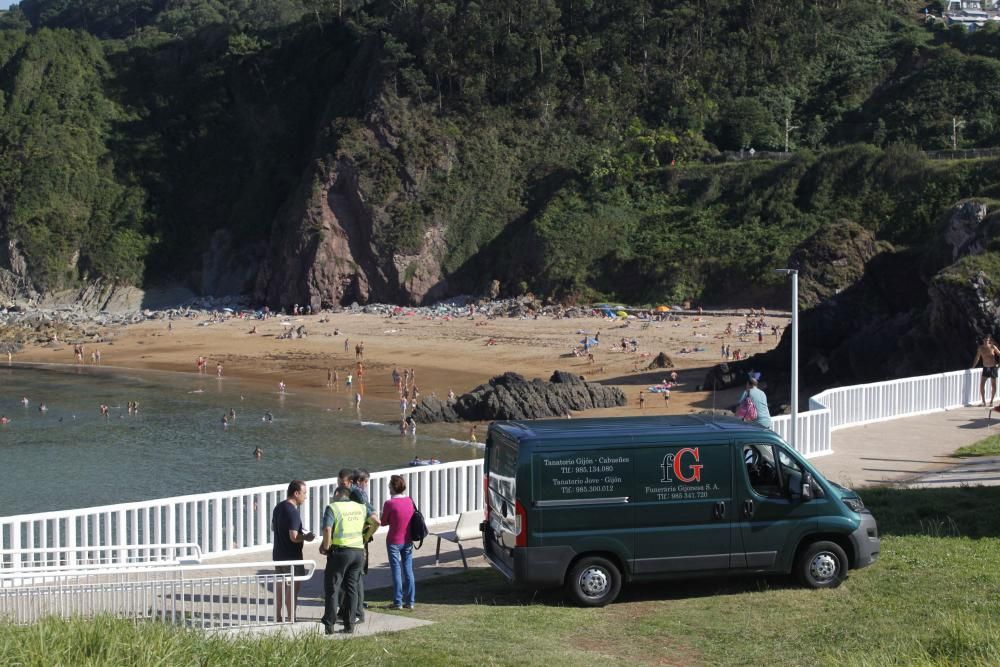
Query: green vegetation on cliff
(567, 147)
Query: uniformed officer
(343, 523)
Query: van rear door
(502, 524)
(683, 508)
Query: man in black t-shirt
(288, 539)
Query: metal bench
(466, 529)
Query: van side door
(772, 516)
(683, 508)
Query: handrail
(207, 596)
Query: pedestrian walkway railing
(198, 596)
(227, 522)
(230, 522)
(856, 405)
(55, 558)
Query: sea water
(70, 456)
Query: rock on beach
(511, 396)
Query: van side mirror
(807, 487)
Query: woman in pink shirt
(396, 513)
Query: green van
(591, 503)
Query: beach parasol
(662, 309)
(227, 310)
(622, 313)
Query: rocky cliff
(911, 311)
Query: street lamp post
(795, 352)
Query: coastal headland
(445, 353)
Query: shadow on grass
(487, 587)
(964, 511)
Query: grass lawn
(933, 598)
(986, 447)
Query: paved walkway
(912, 451)
(377, 618)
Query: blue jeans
(403, 589)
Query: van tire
(822, 565)
(594, 581)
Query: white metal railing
(906, 397)
(228, 522)
(228, 595)
(843, 407)
(60, 558)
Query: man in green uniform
(343, 544)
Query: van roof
(621, 427)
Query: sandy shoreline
(456, 354)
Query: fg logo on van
(682, 465)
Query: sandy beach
(445, 354)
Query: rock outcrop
(511, 396)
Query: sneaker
(395, 607)
(408, 607)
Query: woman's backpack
(417, 530)
(747, 410)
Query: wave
(364, 423)
(468, 443)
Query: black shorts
(989, 371)
(300, 570)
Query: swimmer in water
(257, 453)
(281, 387)
(24, 401)
(268, 417)
(225, 421)
(42, 407)
(3, 420)
(357, 400)
(232, 414)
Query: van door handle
(748, 508)
(719, 511)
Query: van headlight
(854, 504)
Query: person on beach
(759, 398)
(329, 377)
(24, 401)
(987, 352)
(289, 536)
(357, 399)
(281, 386)
(218, 369)
(642, 400)
(350, 379)
(396, 513)
(472, 433)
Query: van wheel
(822, 565)
(594, 582)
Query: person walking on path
(759, 398)
(286, 522)
(987, 352)
(343, 545)
(396, 513)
